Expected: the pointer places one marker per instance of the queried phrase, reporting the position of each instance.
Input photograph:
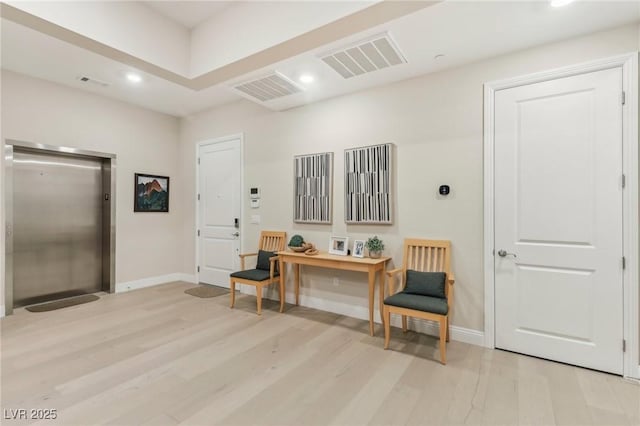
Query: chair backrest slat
(435, 259)
(427, 255)
(272, 240)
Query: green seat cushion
(425, 283)
(263, 260)
(253, 274)
(417, 302)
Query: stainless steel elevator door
(57, 202)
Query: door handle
(503, 253)
(235, 234)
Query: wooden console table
(332, 261)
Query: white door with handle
(558, 220)
(219, 197)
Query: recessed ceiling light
(560, 3)
(133, 77)
(306, 78)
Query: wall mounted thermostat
(444, 190)
(254, 193)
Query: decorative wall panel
(313, 187)
(368, 184)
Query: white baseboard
(151, 281)
(633, 379)
(189, 278)
(459, 334)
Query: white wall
(147, 245)
(435, 122)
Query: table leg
(372, 286)
(283, 293)
(381, 301)
(297, 277)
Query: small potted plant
(375, 247)
(296, 243)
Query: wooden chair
(266, 271)
(430, 296)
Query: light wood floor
(159, 356)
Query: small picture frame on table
(339, 245)
(358, 248)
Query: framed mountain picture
(151, 193)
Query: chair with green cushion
(266, 270)
(426, 288)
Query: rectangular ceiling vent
(365, 56)
(273, 86)
(93, 81)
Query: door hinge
(198, 269)
(624, 181)
(624, 262)
(198, 232)
(198, 160)
(199, 196)
(624, 98)
(624, 345)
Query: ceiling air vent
(93, 81)
(273, 86)
(365, 56)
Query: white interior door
(219, 211)
(558, 220)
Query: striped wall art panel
(367, 183)
(313, 187)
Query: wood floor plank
(569, 404)
(501, 399)
(407, 393)
(161, 420)
(284, 401)
(237, 391)
(376, 391)
(628, 395)
(462, 408)
(225, 381)
(534, 398)
(160, 357)
(600, 398)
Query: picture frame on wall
(313, 188)
(358, 248)
(339, 245)
(151, 193)
(368, 185)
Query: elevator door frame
(109, 210)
